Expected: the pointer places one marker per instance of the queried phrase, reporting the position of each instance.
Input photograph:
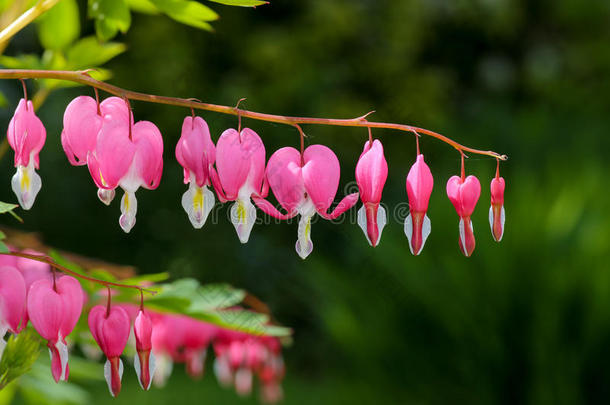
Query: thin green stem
(24, 19)
(83, 77)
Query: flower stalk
(83, 77)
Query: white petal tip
(105, 196)
(26, 184)
(243, 216)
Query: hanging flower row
(31, 293)
(120, 152)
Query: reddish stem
(370, 137)
(83, 77)
(51, 262)
(97, 101)
(497, 168)
(463, 174)
(130, 115)
(108, 302)
(25, 93)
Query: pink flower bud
(54, 309)
(371, 174)
(196, 153)
(464, 195)
(496, 211)
(110, 329)
(419, 188)
(144, 360)
(26, 135)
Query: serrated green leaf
(188, 12)
(241, 3)
(19, 355)
(89, 51)
(111, 16)
(59, 26)
(216, 296)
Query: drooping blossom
(110, 328)
(239, 174)
(419, 188)
(181, 339)
(31, 270)
(371, 174)
(26, 135)
(496, 211)
(144, 360)
(240, 356)
(54, 308)
(305, 185)
(196, 153)
(464, 194)
(83, 121)
(129, 156)
(12, 302)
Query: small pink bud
(496, 211)
(110, 329)
(54, 309)
(371, 175)
(144, 360)
(464, 195)
(26, 135)
(419, 188)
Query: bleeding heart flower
(144, 360)
(305, 186)
(129, 159)
(54, 309)
(12, 302)
(464, 195)
(240, 169)
(26, 135)
(110, 328)
(371, 174)
(496, 211)
(196, 153)
(419, 188)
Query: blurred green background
(526, 321)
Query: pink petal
(110, 331)
(114, 109)
(345, 204)
(12, 298)
(142, 329)
(149, 153)
(284, 174)
(497, 191)
(321, 173)
(26, 134)
(269, 209)
(371, 172)
(81, 126)
(464, 195)
(195, 150)
(45, 310)
(419, 185)
(113, 155)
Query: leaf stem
(24, 19)
(84, 78)
(51, 262)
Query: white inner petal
(409, 230)
(425, 232)
(222, 370)
(362, 223)
(62, 349)
(26, 184)
(243, 216)
(243, 381)
(381, 221)
(304, 245)
(198, 202)
(129, 208)
(105, 196)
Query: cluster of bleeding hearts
(29, 292)
(121, 153)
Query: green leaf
(38, 387)
(188, 12)
(143, 6)
(20, 353)
(216, 296)
(111, 16)
(3, 100)
(241, 3)
(3, 248)
(89, 51)
(21, 62)
(59, 26)
(6, 207)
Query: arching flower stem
(55, 266)
(84, 78)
